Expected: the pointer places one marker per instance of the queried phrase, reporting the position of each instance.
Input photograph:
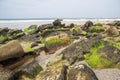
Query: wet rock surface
(79, 72)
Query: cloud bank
(59, 9)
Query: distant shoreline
(64, 19)
(22, 24)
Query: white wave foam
(90, 19)
(51, 20)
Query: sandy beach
(24, 24)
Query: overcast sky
(59, 8)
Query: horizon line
(50, 18)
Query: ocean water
(24, 23)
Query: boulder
(76, 31)
(104, 54)
(14, 70)
(106, 27)
(63, 75)
(79, 72)
(72, 25)
(3, 39)
(57, 22)
(3, 31)
(31, 38)
(14, 31)
(62, 25)
(32, 27)
(14, 34)
(39, 48)
(45, 33)
(33, 44)
(87, 25)
(19, 35)
(111, 52)
(56, 42)
(77, 50)
(114, 23)
(51, 73)
(21, 63)
(31, 70)
(96, 29)
(112, 31)
(35, 31)
(54, 32)
(45, 26)
(11, 50)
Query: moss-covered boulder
(77, 50)
(76, 30)
(59, 71)
(26, 46)
(87, 25)
(104, 55)
(45, 26)
(81, 71)
(57, 22)
(3, 39)
(3, 31)
(33, 27)
(56, 42)
(46, 32)
(14, 34)
(96, 29)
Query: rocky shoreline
(58, 51)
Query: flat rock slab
(108, 74)
(43, 58)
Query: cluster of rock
(76, 72)
(115, 23)
(69, 63)
(10, 34)
(14, 62)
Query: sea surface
(24, 23)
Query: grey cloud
(59, 8)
